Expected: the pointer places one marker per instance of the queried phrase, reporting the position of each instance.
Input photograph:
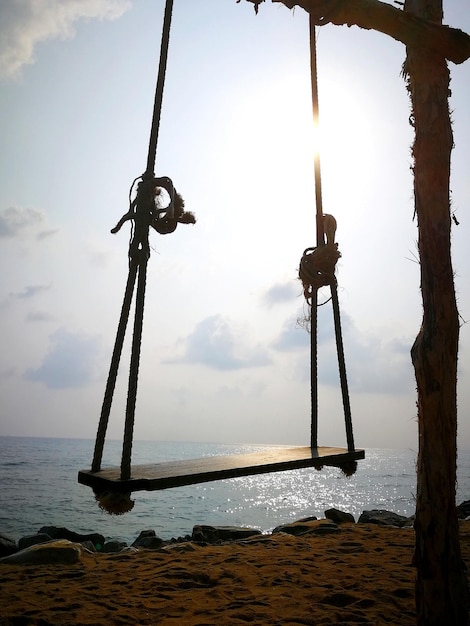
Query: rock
(7, 546)
(410, 522)
(180, 539)
(463, 509)
(281, 527)
(89, 545)
(60, 552)
(150, 543)
(114, 546)
(32, 540)
(212, 534)
(148, 539)
(312, 527)
(187, 546)
(382, 518)
(339, 517)
(144, 534)
(310, 518)
(63, 533)
(204, 534)
(147, 533)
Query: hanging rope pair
(316, 270)
(158, 205)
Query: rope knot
(157, 204)
(317, 268)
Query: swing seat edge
(157, 476)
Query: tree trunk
(441, 585)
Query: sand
(359, 575)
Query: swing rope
(317, 269)
(142, 211)
(157, 107)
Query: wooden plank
(192, 471)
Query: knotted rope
(144, 211)
(317, 268)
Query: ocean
(39, 487)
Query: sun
(274, 120)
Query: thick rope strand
(157, 107)
(342, 367)
(313, 370)
(114, 367)
(320, 241)
(134, 369)
(317, 269)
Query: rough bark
(410, 29)
(441, 587)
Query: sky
(225, 357)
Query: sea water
(39, 487)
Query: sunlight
(270, 136)
(344, 123)
(274, 122)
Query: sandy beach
(360, 575)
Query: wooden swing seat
(165, 475)
(127, 478)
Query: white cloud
(374, 364)
(45, 234)
(26, 23)
(70, 362)
(13, 220)
(215, 344)
(39, 316)
(282, 292)
(30, 291)
(293, 335)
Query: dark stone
(61, 552)
(204, 534)
(145, 533)
(339, 517)
(181, 539)
(32, 540)
(382, 518)
(151, 543)
(463, 509)
(213, 534)
(114, 546)
(148, 539)
(7, 546)
(310, 527)
(63, 533)
(310, 518)
(410, 522)
(89, 545)
(281, 527)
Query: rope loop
(149, 209)
(317, 268)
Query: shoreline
(202, 533)
(362, 573)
